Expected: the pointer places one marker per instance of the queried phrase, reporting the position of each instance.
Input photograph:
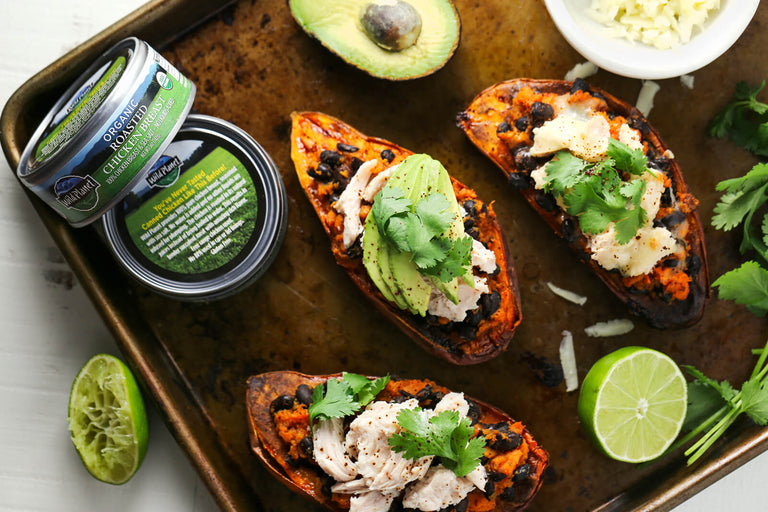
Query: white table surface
(49, 329)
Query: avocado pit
(392, 24)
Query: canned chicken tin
(106, 131)
(207, 219)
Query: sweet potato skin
(308, 481)
(493, 106)
(315, 132)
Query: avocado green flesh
(336, 24)
(409, 281)
(371, 245)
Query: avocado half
(338, 25)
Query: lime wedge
(107, 419)
(632, 403)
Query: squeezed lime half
(107, 419)
(632, 403)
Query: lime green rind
(107, 419)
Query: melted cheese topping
(581, 131)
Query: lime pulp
(632, 403)
(107, 419)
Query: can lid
(207, 220)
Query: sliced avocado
(371, 244)
(392, 39)
(410, 282)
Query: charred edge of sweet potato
(313, 132)
(270, 449)
(480, 121)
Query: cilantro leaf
(435, 213)
(458, 259)
(444, 435)
(337, 401)
(746, 285)
(754, 401)
(595, 192)
(343, 397)
(632, 161)
(744, 120)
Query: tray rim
(162, 381)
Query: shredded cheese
(567, 294)
(663, 24)
(568, 362)
(581, 70)
(615, 327)
(645, 98)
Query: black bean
(474, 232)
(330, 157)
(490, 302)
(281, 403)
(579, 85)
(322, 173)
(356, 249)
(496, 476)
(670, 262)
(474, 412)
(508, 494)
(639, 123)
(502, 426)
(541, 112)
(304, 394)
(346, 148)
(521, 473)
(693, 262)
(490, 487)
(437, 396)
(306, 446)
(568, 230)
(673, 219)
(424, 392)
(465, 330)
(523, 159)
(546, 201)
(521, 123)
(355, 164)
(484, 460)
(519, 181)
(470, 207)
(503, 127)
(462, 506)
(666, 198)
(474, 317)
(506, 443)
(469, 223)
(388, 155)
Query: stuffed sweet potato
(355, 462)
(597, 172)
(344, 174)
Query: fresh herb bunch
(420, 229)
(444, 435)
(344, 397)
(595, 192)
(744, 120)
(714, 406)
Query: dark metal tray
(253, 66)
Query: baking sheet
(253, 66)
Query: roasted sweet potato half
(505, 121)
(280, 436)
(326, 154)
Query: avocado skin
(336, 24)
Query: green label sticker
(195, 211)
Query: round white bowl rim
(638, 60)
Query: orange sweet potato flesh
(313, 133)
(676, 291)
(308, 479)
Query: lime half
(633, 403)
(107, 419)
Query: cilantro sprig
(444, 435)
(595, 192)
(744, 120)
(420, 229)
(344, 397)
(715, 406)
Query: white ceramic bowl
(638, 60)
